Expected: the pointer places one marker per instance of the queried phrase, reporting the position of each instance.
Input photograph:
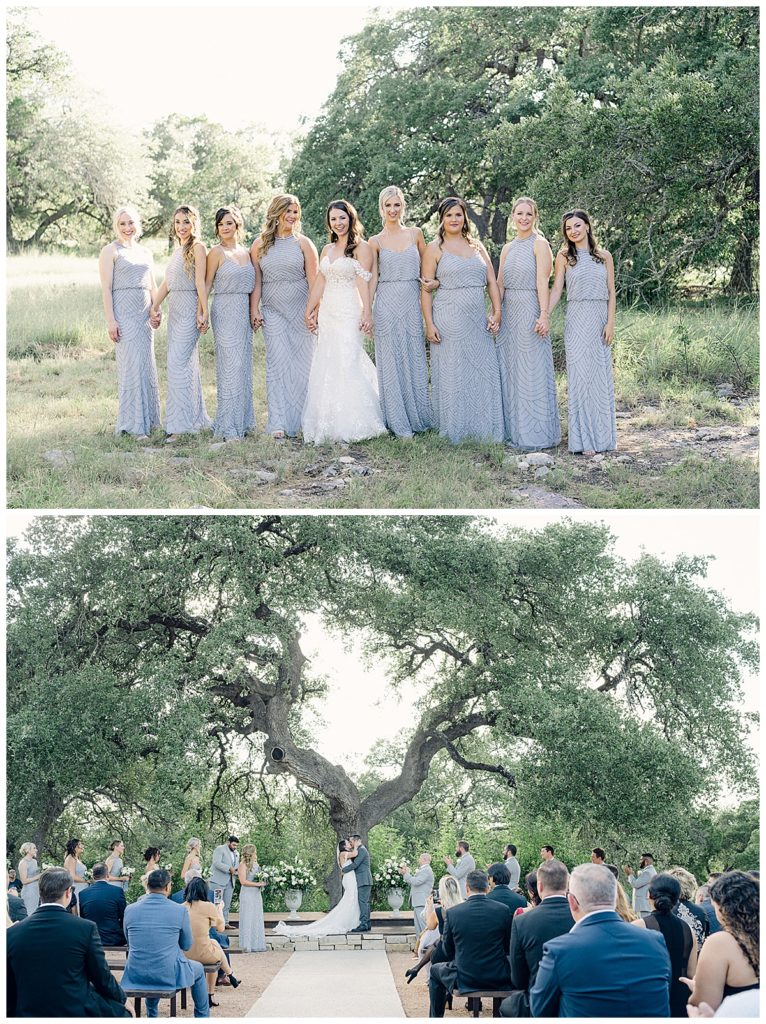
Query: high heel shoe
(234, 982)
(410, 974)
(211, 1002)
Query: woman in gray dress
(29, 876)
(128, 291)
(286, 264)
(114, 865)
(587, 271)
(184, 282)
(231, 272)
(400, 346)
(252, 933)
(530, 410)
(465, 377)
(75, 866)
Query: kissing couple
(352, 913)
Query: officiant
(421, 884)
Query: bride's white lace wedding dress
(342, 401)
(343, 917)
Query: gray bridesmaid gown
(590, 384)
(30, 893)
(400, 347)
(137, 385)
(465, 375)
(526, 361)
(290, 345)
(233, 332)
(185, 412)
(81, 884)
(252, 933)
(116, 869)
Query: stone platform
(386, 941)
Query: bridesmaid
(588, 274)
(286, 264)
(128, 291)
(29, 876)
(465, 375)
(193, 856)
(230, 269)
(114, 865)
(75, 866)
(526, 361)
(400, 349)
(252, 934)
(187, 317)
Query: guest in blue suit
(603, 967)
(157, 931)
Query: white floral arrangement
(168, 867)
(389, 876)
(129, 872)
(47, 867)
(88, 876)
(285, 875)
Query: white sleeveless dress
(343, 917)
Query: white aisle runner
(331, 983)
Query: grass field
(680, 444)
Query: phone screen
(218, 895)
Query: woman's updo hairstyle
(665, 892)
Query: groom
(361, 864)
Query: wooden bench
(209, 969)
(138, 994)
(475, 998)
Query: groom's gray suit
(361, 865)
(223, 859)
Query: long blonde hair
(248, 856)
(194, 236)
(278, 205)
(622, 906)
(391, 192)
(449, 892)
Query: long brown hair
(355, 226)
(737, 897)
(444, 207)
(187, 253)
(278, 205)
(569, 246)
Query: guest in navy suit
(158, 930)
(604, 967)
(477, 935)
(500, 888)
(105, 905)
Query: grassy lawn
(681, 443)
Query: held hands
(493, 323)
(202, 321)
(429, 284)
(310, 319)
(365, 324)
(257, 320)
(542, 325)
(113, 331)
(155, 318)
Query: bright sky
(237, 65)
(360, 709)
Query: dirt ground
(414, 997)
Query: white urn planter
(293, 899)
(395, 899)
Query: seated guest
(56, 966)
(514, 868)
(603, 967)
(104, 904)
(499, 888)
(477, 936)
(13, 882)
(686, 908)
(729, 962)
(531, 931)
(16, 911)
(158, 930)
(664, 894)
(220, 937)
(623, 908)
(433, 952)
(533, 897)
(206, 916)
(702, 899)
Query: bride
(342, 399)
(342, 918)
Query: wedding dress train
(343, 917)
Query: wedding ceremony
(450, 257)
(382, 765)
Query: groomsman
(465, 864)
(225, 864)
(640, 883)
(421, 884)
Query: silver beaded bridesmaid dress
(465, 376)
(233, 333)
(185, 412)
(137, 385)
(530, 411)
(400, 347)
(290, 345)
(590, 383)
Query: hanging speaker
(277, 754)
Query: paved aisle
(331, 983)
